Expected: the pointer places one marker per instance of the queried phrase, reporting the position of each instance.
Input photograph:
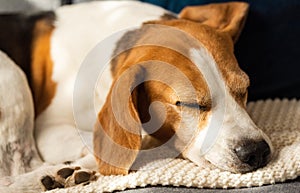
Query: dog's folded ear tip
(107, 169)
(226, 17)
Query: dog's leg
(48, 177)
(18, 153)
(58, 143)
(29, 182)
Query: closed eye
(193, 105)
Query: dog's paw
(67, 177)
(50, 183)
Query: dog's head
(199, 90)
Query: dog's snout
(255, 154)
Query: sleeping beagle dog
(203, 91)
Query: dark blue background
(268, 48)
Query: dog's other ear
(117, 133)
(226, 17)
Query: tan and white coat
(59, 48)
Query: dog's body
(68, 51)
(59, 49)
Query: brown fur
(214, 34)
(42, 65)
(108, 132)
(227, 17)
(26, 39)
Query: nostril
(251, 160)
(266, 153)
(255, 154)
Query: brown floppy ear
(226, 17)
(117, 133)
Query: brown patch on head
(42, 65)
(238, 83)
(220, 46)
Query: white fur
(17, 147)
(79, 28)
(227, 122)
(208, 68)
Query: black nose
(255, 154)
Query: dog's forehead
(171, 42)
(196, 36)
(187, 84)
(221, 49)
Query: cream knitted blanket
(280, 119)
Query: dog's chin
(206, 162)
(230, 163)
(227, 163)
(232, 167)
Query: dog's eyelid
(193, 105)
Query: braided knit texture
(279, 119)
